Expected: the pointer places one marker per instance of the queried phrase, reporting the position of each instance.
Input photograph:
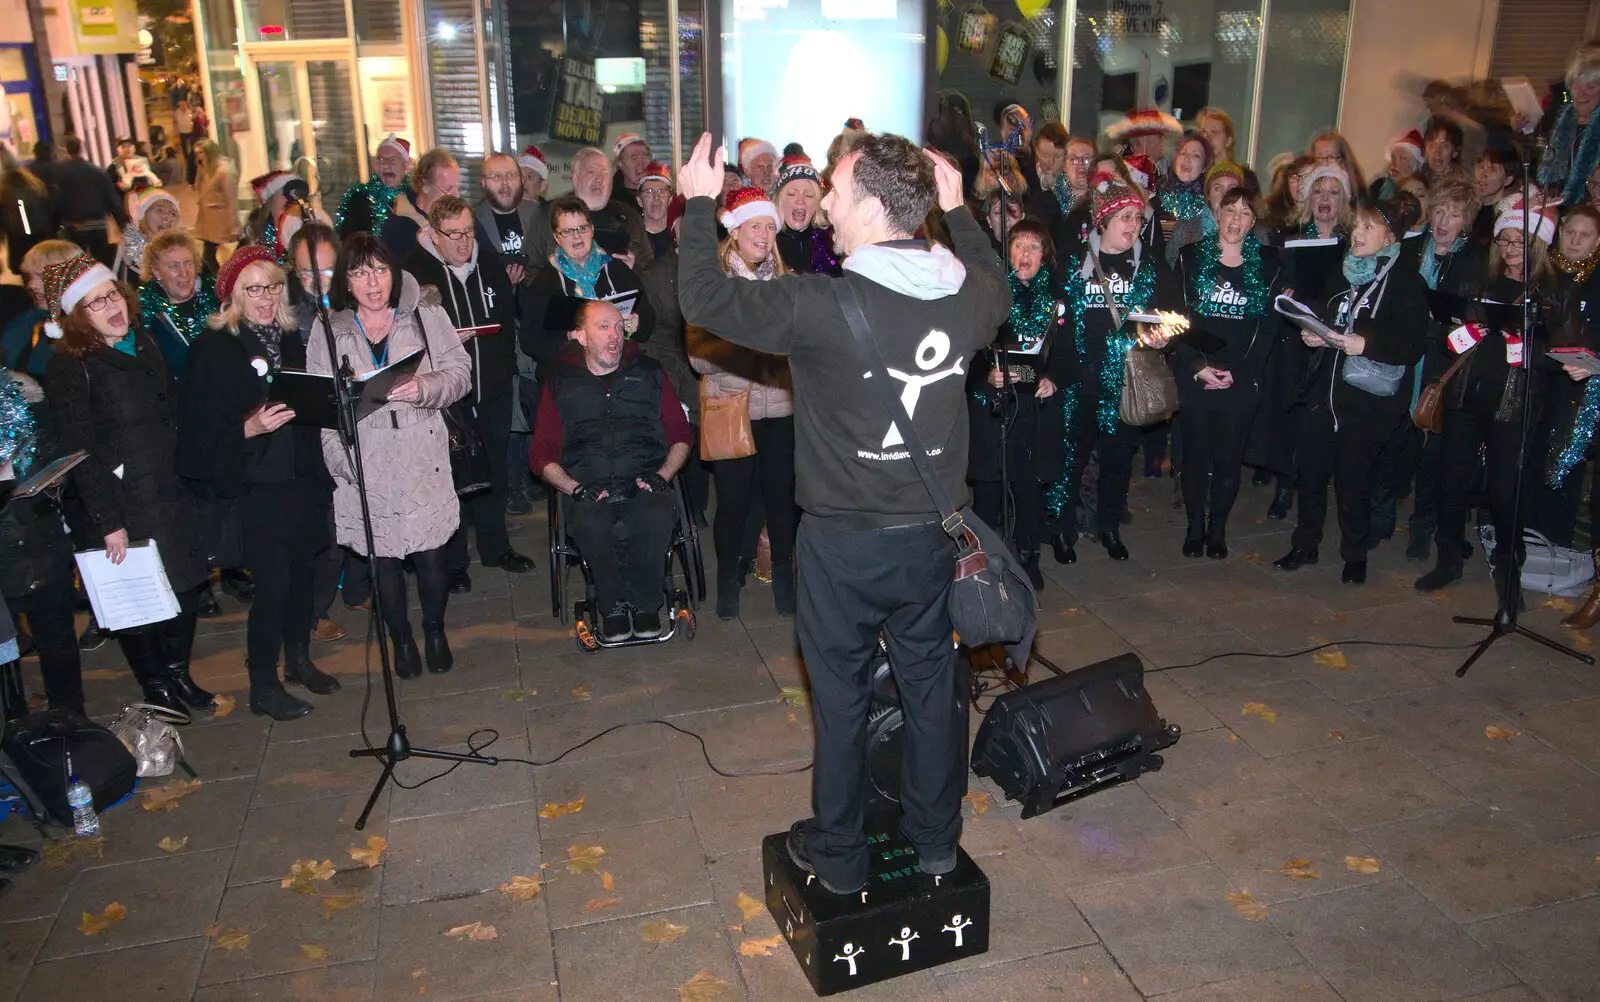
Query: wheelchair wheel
(685, 627)
(584, 634)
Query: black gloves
(656, 483)
(586, 492)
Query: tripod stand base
(396, 750)
(1505, 625)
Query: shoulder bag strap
(954, 525)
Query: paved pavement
(1487, 849)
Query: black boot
(272, 700)
(144, 653)
(1445, 571)
(1296, 558)
(1194, 539)
(1217, 539)
(1061, 546)
(436, 648)
(728, 593)
(1418, 543)
(783, 588)
(407, 659)
(177, 640)
(1030, 563)
(298, 668)
(1111, 539)
(1282, 501)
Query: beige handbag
(1149, 390)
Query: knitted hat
(533, 159)
(400, 146)
(1142, 169)
(1144, 122)
(655, 170)
(794, 150)
(1401, 212)
(624, 141)
(143, 202)
(1109, 193)
(749, 149)
(745, 204)
(1410, 144)
(232, 268)
(1225, 168)
(65, 285)
(1325, 170)
(1541, 225)
(270, 184)
(797, 168)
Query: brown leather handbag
(1428, 414)
(725, 426)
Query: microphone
(983, 135)
(297, 190)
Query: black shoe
(1418, 546)
(646, 624)
(519, 503)
(1030, 564)
(1193, 546)
(1444, 572)
(1261, 478)
(158, 692)
(16, 858)
(511, 562)
(1300, 556)
(299, 670)
(727, 596)
(1355, 572)
(436, 648)
(208, 607)
(801, 857)
(936, 867)
(617, 625)
(1112, 541)
(275, 702)
(1061, 546)
(1216, 548)
(1282, 501)
(93, 638)
(186, 690)
(460, 582)
(783, 597)
(407, 659)
(241, 588)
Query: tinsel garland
(1117, 343)
(1057, 494)
(1255, 284)
(153, 302)
(1031, 314)
(1578, 270)
(1570, 455)
(1182, 202)
(17, 424)
(1310, 230)
(380, 201)
(1063, 192)
(269, 237)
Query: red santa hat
(745, 204)
(1144, 122)
(1541, 223)
(1142, 169)
(400, 146)
(626, 140)
(655, 170)
(1410, 144)
(269, 184)
(749, 149)
(533, 159)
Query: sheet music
(623, 301)
(133, 593)
(1304, 318)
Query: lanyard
(378, 361)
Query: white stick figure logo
(851, 952)
(957, 924)
(488, 297)
(932, 350)
(904, 942)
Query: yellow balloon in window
(1031, 7)
(943, 49)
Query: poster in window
(976, 24)
(575, 115)
(1010, 54)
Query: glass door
(308, 108)
(283, 112)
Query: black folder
(1453, 311)
(312, 398)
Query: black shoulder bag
(991, 600)
(469, 459)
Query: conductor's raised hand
(701, 174)
(947, 178)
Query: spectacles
(99, 303)
(654, 192)
(457, 235)
(388, 161)
(258, 291)
(1509, 239)
(307, 273)
(575, 231)
(1080, 161)
(362, 274)
(1330, 158)
(503, 176)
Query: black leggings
(49, 612)
(1213, 450)
(433, 588)
(770, 471)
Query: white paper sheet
(132, 593)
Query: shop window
(994, 54)
(1302, 75)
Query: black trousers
(769, 473)
(1349, 459)
(1468, 429)
(433, 589)
(625, 545)
(283, 564)
(1428, 489)
(1115, 452)
(486, 510)
(1027, 498)
(49, 612)
(94, 240)
(1213, 451)
(854, 585)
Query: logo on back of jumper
(932, 351)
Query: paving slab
(1554, 949)
(594, 961)
(616, 792)
(275, 837)
(153, 973)
(655, 867)
(412, 938)
(1111, 835)
(279, 921)
(1086, 974)
(340, 983)
(166, 899)
(467, 852)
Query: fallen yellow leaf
(1336, 735)
(701, 988)
(749, 906)
(1442, 593)
(607, 881)
(420, 972)
(552, 811)
(213, 929)
(759, 947)
(313, 951)
(339, 902)
(1339, 617)
(597, 904)
(1363, 864)
(165, 798)
(581, 692)
(225, 705)
(518, 695)
(791, 717)
(1297, 869)
(1495, 732)
(796, 696)
(980, 801)
(1253, 558)
(59, 852)
(521, 888)
(233, 938)
(170, 844)
(1261, 710)
(661, 931)
(472, 930)
(303, 872)
(1073, 611)
(1579, 641)
(584, 858)
(1247, 906)
(94, 925)
(372, 854)
(1558, 604)
(1317, 639)
(1332, 659)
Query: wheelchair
(681, 600)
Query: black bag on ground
(33, 757)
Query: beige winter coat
(725, 369)
(405, 449)
(217, 218)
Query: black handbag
(991, 600)
(34, 753)
(469, 460)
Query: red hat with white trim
(269, 184)
(1410, 144)
(745, 204)
(1145, 122)
(749, 149)
(1142, 169)
(655, 170)
(626, 140)
(1541, 224)
(533, 159)
(145, 200)
(400, 146)
(67, 283)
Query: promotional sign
(575, 117)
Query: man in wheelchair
(611, 434)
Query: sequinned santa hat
(655, 170)
(1144, 122)
(1109, 193)
(745, 204)
(1409, 144)
(145, 200)
(749, 149)
(232, 268)
(67, 283)
(1142, 169)
(626, 140)
(1541, 223)
(400, 146)
(797, 167)
(533, 159)
(269, 184)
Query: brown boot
(1587, 614)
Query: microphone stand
(1504, 623)
(1008, 402)
(398, 747)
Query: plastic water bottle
(81, 799)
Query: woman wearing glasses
(112, 397)
(581, 270)
(239, 450)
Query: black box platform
(902, 921)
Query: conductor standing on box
(872, 555)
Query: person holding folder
(239, 449)
(113, 397)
